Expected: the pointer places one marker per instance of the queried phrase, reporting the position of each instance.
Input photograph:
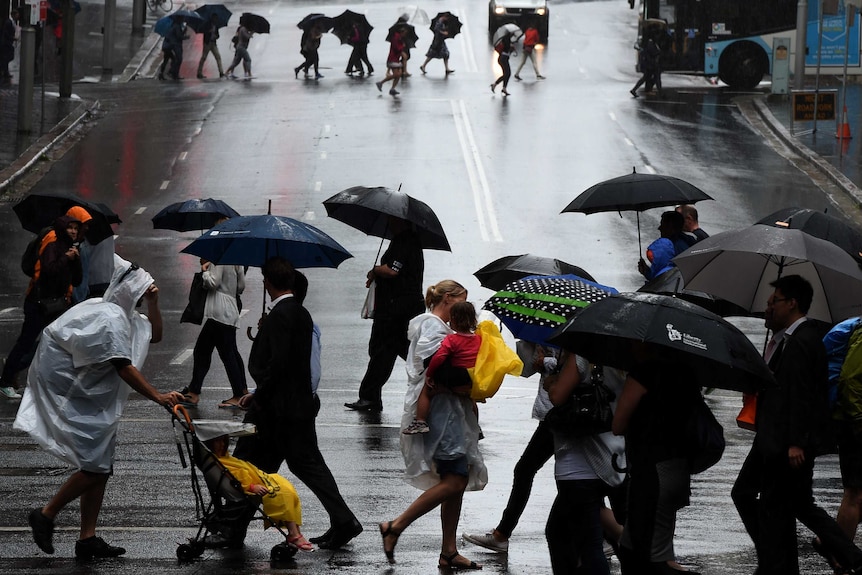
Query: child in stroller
(239, 491)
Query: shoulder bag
(194, 312)
(587, 412)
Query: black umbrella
(369, 209)
(192, 215)
(507, 269)
(453, 24)
(671, 283)
(342, 26)
(636, 192)
(220, 11)
(408, 34)
(254, 23)
(323, 22)
(38, 211)
(712, 350)
(820, 225)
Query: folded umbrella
(220, 11)
(535, 306)
(38, 211)
(714, 351)
(507, 269)
(369, 209)
(192, 215)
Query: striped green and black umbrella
(533, 307)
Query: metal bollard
(27, 55)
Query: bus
(730, 39)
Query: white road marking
(182, 357)
(322, 155)
(486, 216)
(183, 156)
(165, 185)
(467, 43)
(309, 216)
(318, 186)
(612, 116)
(649, 169)
(629, 142)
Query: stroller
(225, 518)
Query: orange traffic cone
(844, 129)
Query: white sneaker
(487, 541)
(9, 393)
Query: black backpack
(31, 254)
(705, 438)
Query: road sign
(804, 103)
(43, 10)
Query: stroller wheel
(187, 552)
(282, 552)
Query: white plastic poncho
(74, 396)
(451, 416)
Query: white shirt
(223, 283)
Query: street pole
(108, 27)
(68, 49)
(801, 41)
(138, 16)
(25, 79)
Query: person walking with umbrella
(359, 53)
(775, 484)
(309, 46)
(172, 47)
(210, 45)
(649, 60)
(398, 299)
(240, 40)
(438, 48)
(395, 62)
(505, 47)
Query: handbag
(53, 307)
(705, 438)
(748, 414)
(494, 360)
(194, 312)
(368, 304)
(587, 412)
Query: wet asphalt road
(496, 171)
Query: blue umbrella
(534, 307)
(251, 240)
(193, 19)
(220, 11)
(193, 215)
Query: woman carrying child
(279, 498)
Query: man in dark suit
(283, 406)
(792, 429)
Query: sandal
(232, 403)
(387, 531)
(300, 542)
(188, 400)
(448, 562)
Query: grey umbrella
(739, 265)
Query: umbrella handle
(248, 333)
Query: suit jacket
(280, 364)
(795, 411)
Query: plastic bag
(368, 304)
(494, 361)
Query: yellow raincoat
(281, 504)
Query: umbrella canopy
(343, 26)
(57, 6)
(820, 225)
(509, 29)
(507, 269)
(192, 215)
(251, 240)
(323, 22)
(38, 211)
(193, 19)
(636, 192)
(714, 351)
(220, 11)
(534, 307)
(408, 34)
(254, 23)
(671, 283)
(453, 24)
(414, 14)
(369, 209)
(739, 265)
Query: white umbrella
(507, 29)
(739, 265)
(414, 14)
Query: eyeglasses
(132, 268)
(772, 302)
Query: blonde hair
(438, 292)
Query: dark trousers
(503, 60)
(388, 342)
(539, 450)
(357, 57)
(574, 532)
(785, 494)
(222, 337)
(295, 442)
(25, 346)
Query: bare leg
(90, 487)
(91, 505)
(849, 511)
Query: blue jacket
(659, 254)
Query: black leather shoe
(341, 535)
(43, 530)
(96, 548)
(364, 405)
(321, 538)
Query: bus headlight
(499, 10)
(541, 11)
